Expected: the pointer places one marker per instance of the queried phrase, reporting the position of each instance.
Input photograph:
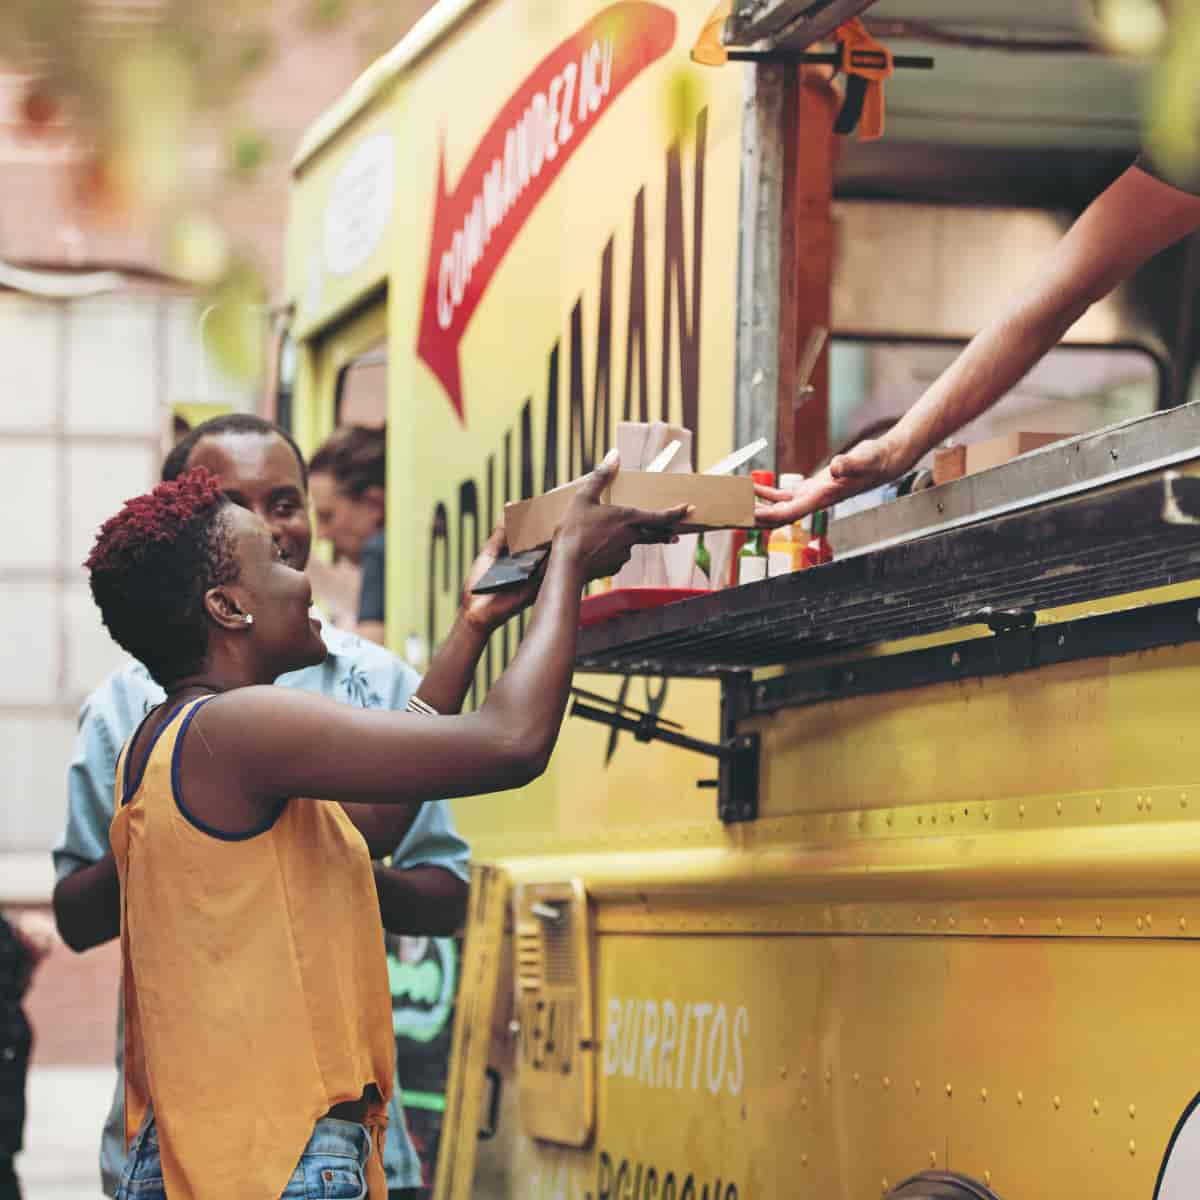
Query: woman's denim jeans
(331, 1167)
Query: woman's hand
(602, 536)
(489, 612)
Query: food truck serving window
(362, 393)
(1073, 390)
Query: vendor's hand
(871, 463)
(491, 610)
(602, 536)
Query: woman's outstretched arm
(270, 742)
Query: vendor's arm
(1130, 222)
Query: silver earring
(248, 619)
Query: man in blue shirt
(425, 890)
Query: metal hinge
(736, 754)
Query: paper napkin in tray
(639, 444)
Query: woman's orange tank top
(256, 990)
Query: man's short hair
(175, 463)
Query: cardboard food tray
(721, 502)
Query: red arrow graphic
(516, 161)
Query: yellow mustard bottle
(786, 547)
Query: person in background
(424, 892)
(1136, 217)
(246, 819)
(348, 480)
(24, 942)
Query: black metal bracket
(736, 753)
(493, 1118)
(856, 84)
(1018, 645)
(1002, 620)
(831, 58)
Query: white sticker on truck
(1179, 1175)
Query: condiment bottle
(701, 564)
(752, 558)
(737, 539)
(818, 551)
(785, 550)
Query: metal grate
(558, 949)
(556, 1073)
(1119, 539)
(529, 956)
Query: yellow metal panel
(482, 971)
(979, 974)
(819, 1067)
(1090, 725)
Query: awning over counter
(794, 24)
(791, 23)
(1023, 105)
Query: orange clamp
(709, 50)
(867, 64)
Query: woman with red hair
(258, 1027)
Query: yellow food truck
(875, 879)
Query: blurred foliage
(326, 12)
(1173, 104)
(248, 150)
(197, 250)
(127, 80)
(1134, 27)
(232, 327)
(1165, 34)
(134, 86)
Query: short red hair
(159, 515)
(152, 564)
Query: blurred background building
(102, 348)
